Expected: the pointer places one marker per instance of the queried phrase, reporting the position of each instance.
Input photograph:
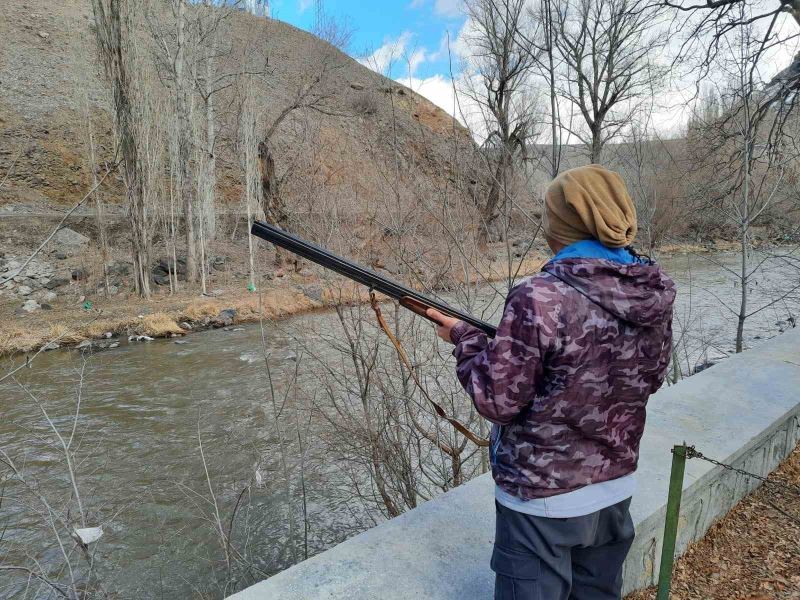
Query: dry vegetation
(753, 553)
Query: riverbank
(107, 322)
(81, 313)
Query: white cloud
(399, 53)
(417, 4)
(449, 8)
(304, 5)
(382, 59)
(437, 89)
(416, 58)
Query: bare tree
(99, 207)
(706, 27)
(334, 31)
(655, 176)
(549, 66)
(503, 61)
(214, 75)
(114, 27)
(608, 56)
(312, 95)
(248, 126)
(747, 163)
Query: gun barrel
(353, 271)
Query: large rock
(70, 239)
(218, 263)
(30, 306)
(56, 282)
(162, 269)
(224, 318)
(119, 267)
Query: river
(145, 408)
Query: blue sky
(415, 28)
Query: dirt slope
(50, 80)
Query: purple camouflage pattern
(579, 350)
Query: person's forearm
(498, 374)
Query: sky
(412, 41)
(404, 39)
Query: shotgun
(408, 298)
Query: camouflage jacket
(578, 352)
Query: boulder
(164, 266)
(218, 263)
(31, 306)
(70, 239)
(313, 291)
(60, 255)
(56, 282)
(119, 267)
(24, 290)
(224, 318)
(80, 274)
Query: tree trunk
(184, 128)
(98, 205)
(489, 211)
(555, 164)
(597, 145)
(209, 215)
(271, 203)
(140, 241)
(458, 475)
(745, 242)
(109, 35)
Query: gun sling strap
(401, 353)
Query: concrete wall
(744, 411)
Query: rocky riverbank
(60, 300)
(66, 296)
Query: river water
(145, 408)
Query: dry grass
(160, 325)
(753, 553)
(199, 309)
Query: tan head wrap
(590, 202)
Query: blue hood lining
(595, 249)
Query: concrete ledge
(744, 411)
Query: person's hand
(445, 324)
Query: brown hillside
(50, 79)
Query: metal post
(671, 521)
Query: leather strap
(457, 425)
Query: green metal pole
(671, 521)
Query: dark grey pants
(579, 558)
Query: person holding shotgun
(578, 352)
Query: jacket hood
(639, 293)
